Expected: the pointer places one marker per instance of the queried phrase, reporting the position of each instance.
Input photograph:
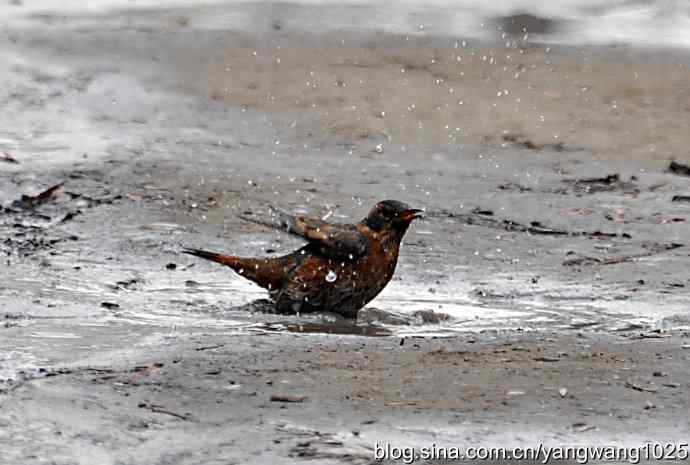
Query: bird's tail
(227, 260)
(266, 272)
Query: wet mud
(542, 266)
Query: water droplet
(331, 276)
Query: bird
(341, 268)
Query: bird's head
(391, 215)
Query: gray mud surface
(562, 267)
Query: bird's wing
(331, 240)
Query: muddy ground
(556, 240)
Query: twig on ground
(32, 201)
(160, 409)
(7, 158)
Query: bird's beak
(411, 214)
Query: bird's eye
(386, 211)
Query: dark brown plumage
(340, 269)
